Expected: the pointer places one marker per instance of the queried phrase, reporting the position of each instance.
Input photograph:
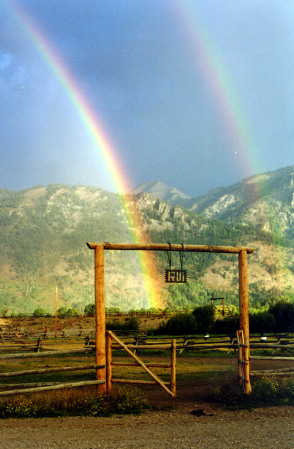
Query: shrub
(5, 312)
(61, 312)
(204, 318)
(178, 325)
(283, 312)
(226, 325)
(83, 402)
(89, 310)
(261, 322)
(39, 312)
(265, 391)
(72, 313)
(130, 324)
(273, 390)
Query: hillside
(265, 201)
(43, 235)
(163, 192)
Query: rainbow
(221, 89)
(219, 85)
(102, 143)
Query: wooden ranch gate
(100, 338)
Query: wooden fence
(30, 387)
(139, 362)
(185, 343)
(133, 344)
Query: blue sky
(140, 65)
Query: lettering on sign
(176, 276)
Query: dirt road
(261, 429)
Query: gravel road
(217, 428)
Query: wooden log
(150, 365)
(203, 347)
(276, 374)
(240, 339)
(271, 346)
(49, 370)
(44, 354)
(109, 363)
(161, 347)
(17, 347)
(173, 367)
(135, 381)
(244, 315)
(28, 384)
(100, 351)
(259, 357)
(170, 247)
(134, 356)
(52, 387)
(277, 370)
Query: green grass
(266, 391)
(74, 402)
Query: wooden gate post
(100, 355)
(173, 367)
(108, 363)
(244, 315)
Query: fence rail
(139, 362)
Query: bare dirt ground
(209, 426)
(192, 420)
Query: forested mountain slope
(43, 235)
(265, 201)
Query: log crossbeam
(169, 247)
(99, 249)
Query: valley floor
(176, 427)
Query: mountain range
(44, 230)
(265, 201)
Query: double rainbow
(102, 143)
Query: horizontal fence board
(162, 347)
(50, 370)
(45, 353)
(27, 385)
(134, 381)
(257, 357)
(52, 387)
(149, 365)
(277, 374)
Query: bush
(226, 325)
(5, 312)
(89, 310)
(39, 312)
(283, 313)
(72, 313)
(261, 322)
(61, 312)
(178, 325)
(130, 324)
(204, 318)
(272, 390)
(84, 402)
(265, 391)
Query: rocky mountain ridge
(265, 201)
(43, 235)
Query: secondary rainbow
(219, 84)
(102, 142)
(207, 57)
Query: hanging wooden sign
(175, 276)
